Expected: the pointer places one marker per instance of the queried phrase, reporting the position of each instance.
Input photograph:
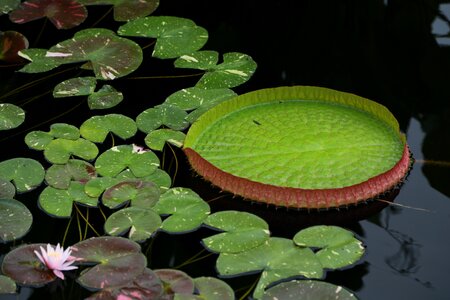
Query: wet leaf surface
(15, 220)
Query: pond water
(392, 52)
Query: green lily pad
(125, 10)
(105, 97)
(59, 151)
(140, 223)
(80, 86)
(39, 62)
(202, 60)
(7, 285)
(60, 176)
(277, 258)
(308, 290)
(209, 288)
(24, 267)
(156, 139)
(11, 42)
(11, 116)
(25, 173)
(59, 203)
(243, 231)
(118, 158)
(39, 140)
(118, 261)
(143, 194)
(165, 114)
(97, 128)
(341, 256)
(110, 56)
(8, 5)
(15, 220)
(175, 281)
(175, 36)
(187, 210)
(64, 131)
(299, 146)
(7, 189)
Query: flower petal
(59, 274)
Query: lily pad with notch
(168, 115)
(97, 128)
(156, 139)
(125, 10)
(142, 194)
(25, 173)
(60, 176)
(60, 150)
(80, 86)
(202, 60)
(175, 282)
(11, 42)
(15, 220)
(39, 140)
(39, 62)
(11, 116)
(106, 97)
(210, 288)
(7, 285)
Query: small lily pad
(11, 42)
(175, 281)
(143, 194)
(15, 220)
(308, 290)
(105, 97)
(11, 116)
(59, 151)
(64, 131)
(140, 223)
(118, 261)
(38, 61)
(341, 256)
(64, 14)
(7, 189)
(118, 158)
(202, 60)
(60, 176)
(125, 10)
(39, 140)
(25, 173)
(194, 97)
(243, 231)
(80, 86)
(175, 36)
(187, 210)
(23, 266)
(210, 288)
(277, 258)
(156, 139)
(7, 285)
(8, 5)
(165, 114)
(97, 128)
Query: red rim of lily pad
(289, 196)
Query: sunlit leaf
(175, 36)
(277, 258)
(11, 116)
(105, 97)
(143, 194)
(7, 189)
(38, 61)
(118, 261)
(80, 86)
(165, 114)
(156, 139)
(186, 209)
(125, 10)
(59, 151)
(341, 256)
(194, 97)
(8, 5)
(11, 42)
(243, 231)
(25, 173)
(7, 285)
(38, 140)
(15, 220)
(118, 158)
(60, 176)
(176, 281)
(138, 222)
(64, 14)
(97, 128)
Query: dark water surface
(387, 51)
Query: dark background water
(393, 52)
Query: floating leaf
(210, 288)
(38, 140)
(118, 158)
(140, 223)
(64, 14)
(7, 285)
(125, 10)
(7, 189)
(277, 258)
(119, 261)
(38, 61)
(96, 186)
(24, 267)
(307, 290)
(341, 256)
(202, 60)
(165, 114)
(97, 128)
(243, 231)
(64, 131)
(11, 116)
(15, 220)
(175, 36)
(59, 151)
(8, 5)
(25, 173)
(104, 98)
(11, 42)
(143, 194)
(59, 203)
(175, 281)
(80, 86)
(186, 209)
(60, 176)
(156, 139)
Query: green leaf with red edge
(118, 261)
(176, 281)
(11, 42)
(125, 10)
(25, 268)
(143, 194)
(60, 176)
(64, 14)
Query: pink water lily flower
(56, 259)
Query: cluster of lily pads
(128, 178)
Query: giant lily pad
(11, 116)
(143, 194)
(97, 128)
(7, 285)
(118, 261)
(299, 146)
(125, 10)
(60, 176)
(277, 258)
(175, 36)
(243, 231)
(59, 151)
(38, 61)
(11, 42)
(80, 86)
(64, 14)
(165, 114)
(106, 97)
(15, 220)
(25, 173)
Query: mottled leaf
(156, 139)
(165, 114)
(175, 281)
(105, 97)
(80, 86)
(194, 97)
(143, 194)
(59, 151)
(125, 10)
(39, 62)
(7, 189)
(25, 173)
(11, 116)
(60, 176)
(15, 220)
(210, 288)
(97, 128)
